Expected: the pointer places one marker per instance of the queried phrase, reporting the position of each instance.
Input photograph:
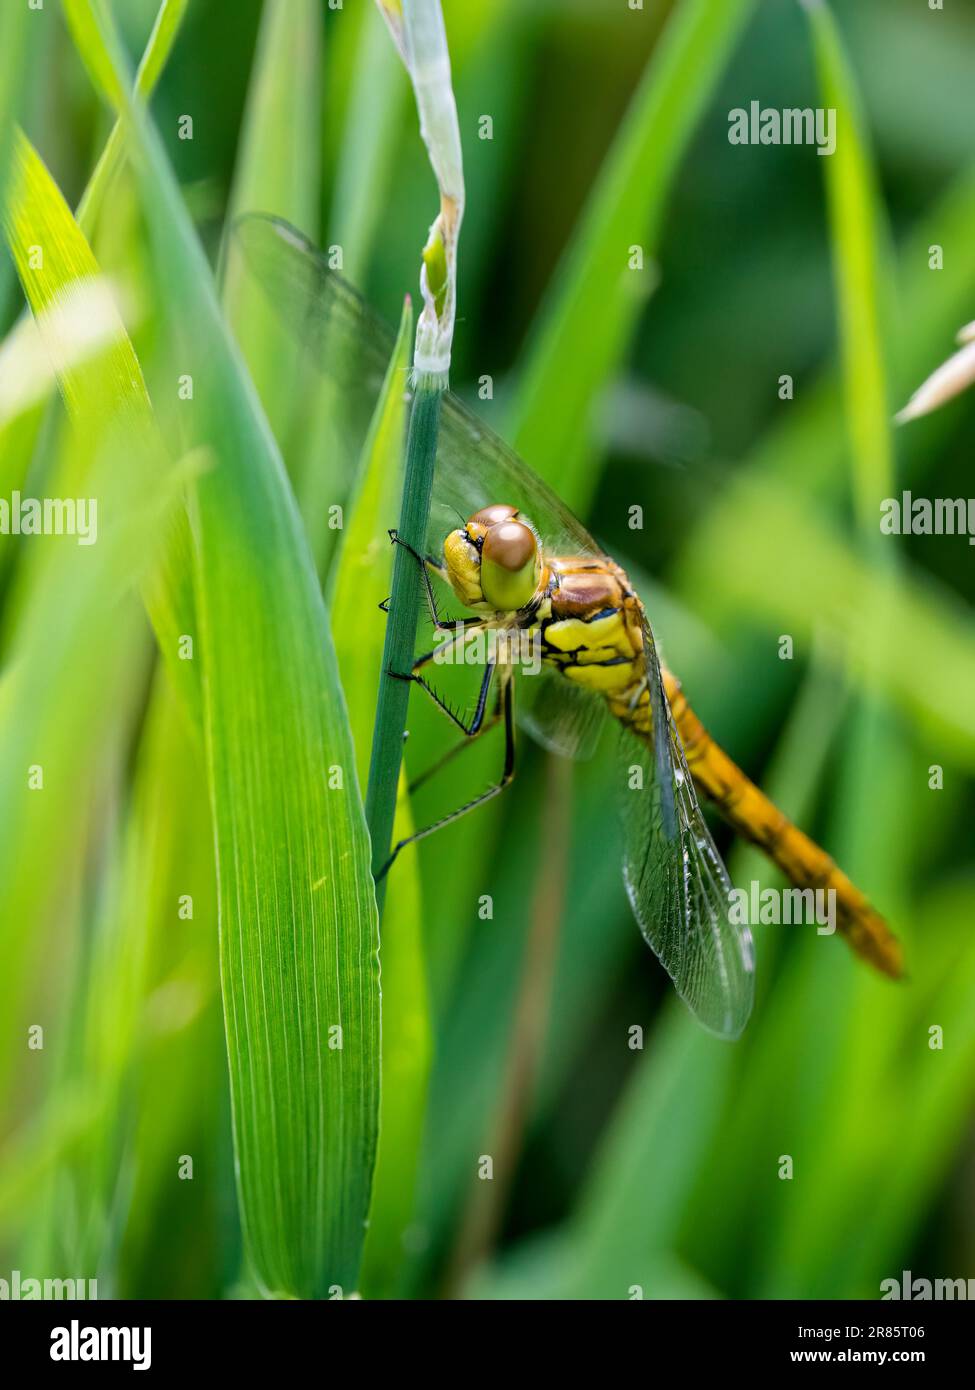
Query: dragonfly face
(493, 563)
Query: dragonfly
(527, 571)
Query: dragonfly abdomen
(592, 630)
(753, 816)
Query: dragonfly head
(494, 562)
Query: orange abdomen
(753, 816)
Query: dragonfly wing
(559, 715)
(348, 342)
(676, 880)
(351, 345)
(343, 351)
(475, 468)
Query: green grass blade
(21, 347)
(277, 171)
(297, 908)
(407, 1052)
(814, 565)
(376, 105)
(863, 1039)
(100, 387)
(16, 36)
(404, 607)
(419, 34)
(17, 33)
(74, 657)
(362, 582)
(179, 1053)
(52, 257)
(805, 444)
(164, 34)
(106, 399)
(856, 238)
(816, 570)
(595, 299)
(361, 579)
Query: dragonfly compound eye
(510, 565)
(490, 516)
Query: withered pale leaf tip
(950, 379)
(419, 34)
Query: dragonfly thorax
(493, 562)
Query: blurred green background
(619, 1169)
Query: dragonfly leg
(452, 753)
(508, 772)
(635, 697)
(441, 624)
(424, 660)
(472, 729)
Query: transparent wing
(341, 352)
(351, 345)
(677, 883)
(562, 717)
(475, 468)
(347, 341)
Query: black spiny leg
(451, 753)
(441, 624)
(455, 625)
(472, 729)
(507, 709)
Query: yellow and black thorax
(591, 627)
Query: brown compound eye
(491, 516)
(510, 544)
(510, 565)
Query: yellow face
(493, 563)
